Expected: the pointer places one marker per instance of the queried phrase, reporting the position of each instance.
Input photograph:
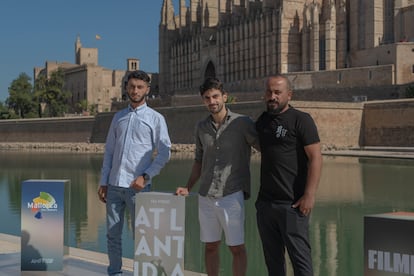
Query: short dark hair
(141, 75)
(288, 82)
(211, 83)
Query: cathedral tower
(78, 46)
(167, 32)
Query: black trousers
(283, 227)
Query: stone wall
(317, 94)
(341, 125)
(389, 123)
(76, 129)
(380, 78)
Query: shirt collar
(139, 108)
(224, 123)
(228, 115)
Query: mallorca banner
(42, 225)
(159, 234)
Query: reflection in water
(160, 269)
(350, 188)
(341, 181)
(31, 259)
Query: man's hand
(182, 191)
(138, 183)
(305, 204)
(102, 192)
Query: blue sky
(33, 32)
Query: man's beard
(215, 111)
(139, 100)
(275, 110)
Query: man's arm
(102, 192)
(162, 144)
(109, 153)
(253, 136)
(307, 201)
(192, 180)
(107, 162)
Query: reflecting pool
(350, 188)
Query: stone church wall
(341, 125)
(77, 129)
(389, 123)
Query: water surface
(350, 188)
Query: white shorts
(218, 214)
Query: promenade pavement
(386, 152)
(78, 262)
(377, 152)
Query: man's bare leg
(239, 260)
(212, 258)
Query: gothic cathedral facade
(241, 41)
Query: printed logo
(391, 262)
(280, 132)
(45, 202)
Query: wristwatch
(146, 177)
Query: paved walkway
(79, 262)
(381, 152)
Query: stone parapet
(341, 125)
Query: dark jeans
(117, 200)
(281, 226)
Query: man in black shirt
(291, 163)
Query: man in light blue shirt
(137, 148)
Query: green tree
(4, 111)
(409, 91)
(231, 99)
(21, 97)
(49, 92)
(83, 105)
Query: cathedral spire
(183, 13)
(78, 46)
(167, 15)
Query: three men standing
(291, 163)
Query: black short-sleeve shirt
(283, 160)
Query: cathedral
(317, 43)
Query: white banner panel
(159, 234)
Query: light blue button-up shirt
(137, 143)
